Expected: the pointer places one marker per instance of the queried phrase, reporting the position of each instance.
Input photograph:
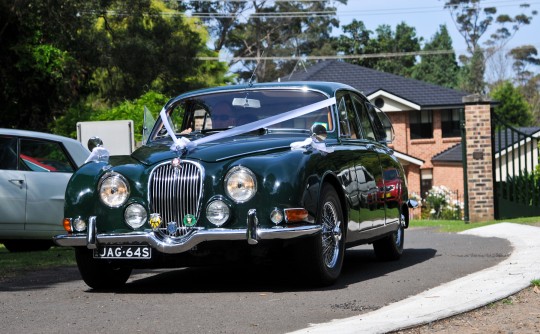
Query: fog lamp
(135, 215)
(217, 212)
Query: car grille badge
(189, 220)
(176, 163)
(171, 228)
(155, 220)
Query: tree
(512, 109)
(252, 30)
(72, 57)
(439, 69)
(39, 73)
(526, 79)
(473, 20)
(357, 40)
(523, 56)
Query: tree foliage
(474, 21)
(255, 29)
(439, 69)
(512, 109)
(71, 57)
(358, 40)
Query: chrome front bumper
(252, 234)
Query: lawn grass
(458, 225)
(15, 263)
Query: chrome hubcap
(331, 235)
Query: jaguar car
(236, 173)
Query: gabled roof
(370, 81)
(453, 154)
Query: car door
(393, 175)
(362, 155)
(47, 169)
(12, 187)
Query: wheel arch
(332, 179)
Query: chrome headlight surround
(240, 184)
(113, 190)
(135, 215)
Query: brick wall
(479, 158)
(450, 176)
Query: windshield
(225, 110)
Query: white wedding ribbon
(182, 143)
(302, 145)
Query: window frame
(418, 128)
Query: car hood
(218, 150)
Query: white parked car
(34, 170)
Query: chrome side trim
(169, 245)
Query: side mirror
(94, 142)
(318, 133)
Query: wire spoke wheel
(331, 235)
(325, 260)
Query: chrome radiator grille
(176, 192)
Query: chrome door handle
(17, 182)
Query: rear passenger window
(361, 110)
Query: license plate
(123, 252)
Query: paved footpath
(464, 294)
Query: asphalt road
(260, 299)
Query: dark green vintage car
(289, 170)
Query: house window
(426, 181)
(421, 123)
(450, 123)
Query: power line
(362, 56)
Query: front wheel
(390, 247)
(328, 247)
(100, 274)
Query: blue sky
(427, 15)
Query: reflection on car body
(287, 170)
(34, 170)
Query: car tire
(100, 274)
(328, 247)
(390, 248)
(18, 246)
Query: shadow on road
(360, 265)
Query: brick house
(425, 118)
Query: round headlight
(217, 212)
(113, 190)
(240, 184)
(135, 215)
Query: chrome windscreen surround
(175, 191)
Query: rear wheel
(390, 247)
(100, 274)
(328, 247)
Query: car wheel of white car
(329, 246)
(100, 274)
